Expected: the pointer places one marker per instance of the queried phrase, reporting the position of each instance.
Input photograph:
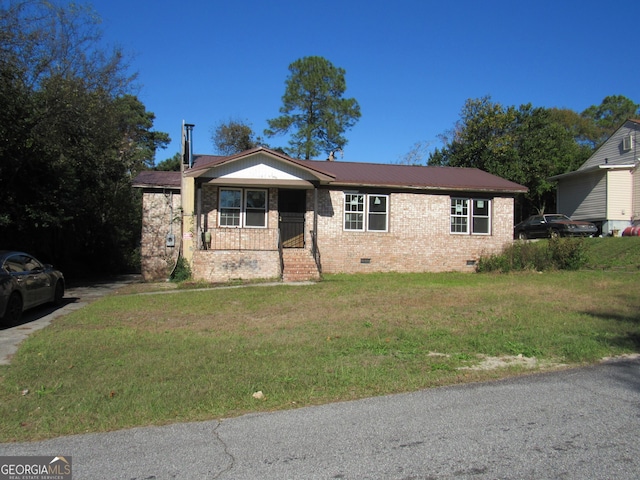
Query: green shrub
(555, 254)
(567, 253)
(181, 272)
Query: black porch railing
(241, 239)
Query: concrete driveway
(76, 296)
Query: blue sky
(410, 64)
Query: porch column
(187, 197)
(198, 239)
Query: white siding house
(605, 190)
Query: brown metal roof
(356, 174)
(418, 177)
(153, 178)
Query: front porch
(242, 214)
(228, 254)
(284, 249)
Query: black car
(553, 225)
(25, 283)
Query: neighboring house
(605, 190)
(262, 214)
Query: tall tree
(234, 136)
(314, 107)
(72, 139)
(524, 144)
(45, 39)
(609, 115)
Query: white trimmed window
(366, 212)
(471, 216)
(242, 207)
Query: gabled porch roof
(258, 166)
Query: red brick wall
(227, 265)
(418, 238)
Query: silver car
(26, 283)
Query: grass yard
(129, 360)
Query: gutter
(593, 169)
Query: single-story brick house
(262, 214)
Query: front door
(292, 208)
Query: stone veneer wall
(418, 239)
(160, 214)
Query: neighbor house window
(471, 216)
(366, 212)
(247, 208)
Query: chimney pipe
(187, 145)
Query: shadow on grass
(625, 371)
(631, 338)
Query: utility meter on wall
(171, 240)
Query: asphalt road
(574, 424)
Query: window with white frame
(243, 207)
(366, 212)
(471, 216)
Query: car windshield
(556, 218)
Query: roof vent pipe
(332, 154)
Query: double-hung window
(471, 216)
(366, 212)
(243, 207)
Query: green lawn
(129, 360)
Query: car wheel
(522, 236)
(14, 309)
(59, 293)
(554, 234)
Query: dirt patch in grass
(506, 361)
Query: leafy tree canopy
(73, 138)
(170, 164)
(234, 136)
(43, 39)
(607, 117)
(314, 108)
(524, 144)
